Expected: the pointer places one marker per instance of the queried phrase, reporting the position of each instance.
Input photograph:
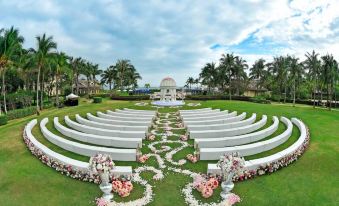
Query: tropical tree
(226, 71)
(312, 64)
(239, 73)
(147, 85)
(208, 75)
(61, 67)
(109, 76)
(10, 50)
(45, 46)
(295, 74)
(122, 67)
(189, 82)
(279, 68)
(257, 72)
(329, 73)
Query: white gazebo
(168, 89)
(168, 93)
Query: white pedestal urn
(227, 185)
(105, 186)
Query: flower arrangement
(122, 188)
(101, 201)
(233, 199)
(204, 186)
(143, 158)
(183, 137)
(101, 163)
(231, 164)
(192, 158)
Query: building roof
(168, 82)
(252, 86)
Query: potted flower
(229, 164)
(102, 165)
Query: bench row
(75, 164)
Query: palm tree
(87, 70)
(329, 65)
(10, 50)
(226, 71)
(45, 45)
(279, 68)
(312, 64)
(257, 72)
(61, 67)
(208, 75)
(147, 85)
(109, 76)
(239, 72)
(295, 74)
(122, 67)
(190, 81)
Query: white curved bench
(217, 121)
(103, 132)
(90, 123)
(116, 122)
(256, 163)
(237, 140)
(245, 122)
(76, 164)
(212, 117)
(195, 110)
(249, 149)
(107, 116)
(122, 142)
(206, 113)
(128, 115)
(87, 150)
(138, 111)
(229, 132)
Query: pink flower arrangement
(101, 202)
(183, 137)
(192, 158)
(122, 188)
(233, 198)
(143, 158)
(205, 187)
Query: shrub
(260, 99)
(3, 120)
(102, 95)
(97, 99)
(216, 97)
(19, 113)
(130, 98)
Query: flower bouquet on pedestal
(229, 164)
(103, 164)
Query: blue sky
(176, 38)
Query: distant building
(253, 89)
(94, 87)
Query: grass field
(312, 180)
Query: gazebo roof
(167, 82)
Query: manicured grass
(312, 180)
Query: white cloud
(173, 37)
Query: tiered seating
(78, 165)
(256, 163)
(216, 121)
(119, 134)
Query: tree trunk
(57, 90)
(4, 92)
(314, 92)
(77, 84)
(229, 88)
(37, 91)
(88, 87)
(328, 97)
(42, 91)
(294, 94)
(285, 94)
(110, 86)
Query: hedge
(130, 98)
(97, 99)
(216, 97)
(3, 120)
(19, 113)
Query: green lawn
(312, 180)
